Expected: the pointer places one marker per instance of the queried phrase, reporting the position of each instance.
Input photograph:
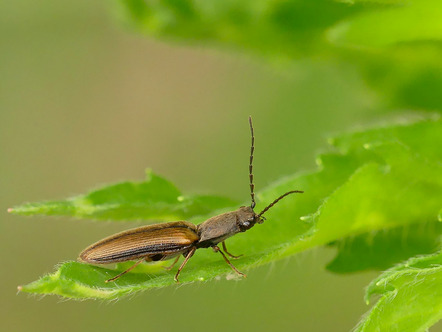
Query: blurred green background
(85, 102)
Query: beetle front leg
(228, 253)
(217, 249)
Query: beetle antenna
(252, 149)
(277, 200)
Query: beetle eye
(246, 223)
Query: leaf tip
(149, 173)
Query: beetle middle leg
(217, 249)
(189, 254)
(228, 253)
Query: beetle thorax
(223, 226)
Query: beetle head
(247, 218)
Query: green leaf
(410, 22)
(383, 249)
(261, 245)
(155, 198)
(394, 44)
(292, 26)
(282, 28)
(411, 295)
(380, 179)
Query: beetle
(169, 240)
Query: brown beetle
(169, 240)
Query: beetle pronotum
(165, 241)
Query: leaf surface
(410, 297)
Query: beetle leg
(228, 253)
(124, 272)
(168, 268)
(190, 254)
(217, 249)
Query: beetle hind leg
(124, 272)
